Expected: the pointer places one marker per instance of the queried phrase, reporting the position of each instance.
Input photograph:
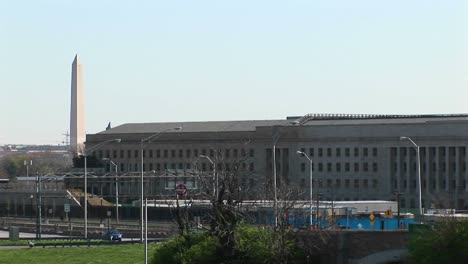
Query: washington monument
(76, 112)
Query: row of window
(321, 152)
(442, 166)
(347, 167)
(173, 153)
(183, 166)
(346, 183)
(433, 183)
(432, 150)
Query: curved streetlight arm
(410, 140)
(100, 144)
(208, 158)
(304, 154)
(111, 161)
(148, 140)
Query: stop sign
(181, 189)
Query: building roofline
(300, 120)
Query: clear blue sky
(154, 61)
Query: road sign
(388, 212)
(181, 189)
(371, 222)
(371, 217)
(66, 208)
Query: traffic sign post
(372, 217)
(66, 208)
(388, 212)
(181, 189)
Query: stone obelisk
(77, 135)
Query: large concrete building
(355, 157)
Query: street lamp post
(27, 163)
(143, 143)
(311, 169)
(275, 194)
(69, 216)
(215, 179)
(116, 189)
(419, 172)
(39, 207)
(86, 181)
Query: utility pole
(318, 182)
(398, 207)
(317, 211)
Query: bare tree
(226, 186)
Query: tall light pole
(311, 168)
(27, 163)
(39, 207)
(276, 137)
(86, 180)
(143, 143)
(419, 172)
(215, 179)
(116, 189)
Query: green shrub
(254, 243)
(204, 251)
(172, 251)
(446, 243)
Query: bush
(253, 245)
(446, 243)
(204, 251)
(172, 251)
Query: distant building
(355, 157)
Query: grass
(122, 254)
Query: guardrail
(129, 229)
(75, 243)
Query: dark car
(112, 235)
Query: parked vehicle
(112, 235)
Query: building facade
(355, 157)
